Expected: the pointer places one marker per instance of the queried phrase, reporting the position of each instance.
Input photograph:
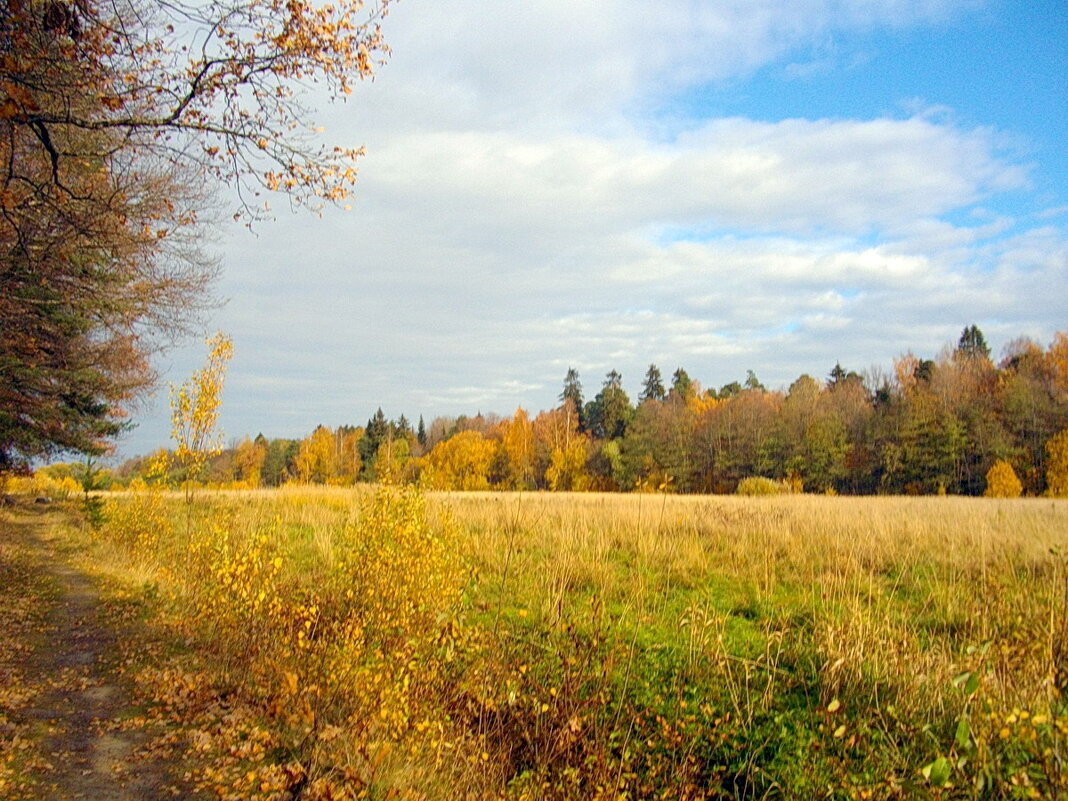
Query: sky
(726, 185)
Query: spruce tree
(972, 344)
(653, 388)
(573, 392)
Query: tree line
(929, 426)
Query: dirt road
(65, 707)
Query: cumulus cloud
(546, 64)
(843, 176)
(526, 206)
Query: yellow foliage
(361, 642)
(566, 471)
(699, 403)
(317, 459)
(1057, 356)
(905, 371)
(248, 463)
(42, 484)
(461, 462)
(1057, 465)
(349, 461)
(517, 440)
(195, 408)
(390, 458)
(1001, 481)
(137, 524)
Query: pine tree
(573, 392)
(972, 344)
(653, 388)
(681, 385)
(378, 429)
(609, 413)
(752, 382)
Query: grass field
(384, 644)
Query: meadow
(385, 643)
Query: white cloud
(522, 208)
(846, 176)
(552, 64)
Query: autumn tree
(195, 411)
(1031, 409)
(560, 449)
(461, 462)
(1057, 465)
(820, 438)
(739, 437)
(349, 462)
(928, 448)
(391, 458)
(1001, 481)
(849, 400)
(249, 456)
(658, 447)
(317, 461)
(112, 117)
(517, 448)
(1057, 362)
(566, 471)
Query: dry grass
(609, 646)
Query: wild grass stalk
(607, 646)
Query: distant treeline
(933, 425)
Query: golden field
(382, 643)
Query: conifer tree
(681, 385)
(972, 343)
(573, 392)
(653, 386)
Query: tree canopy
(113, 115)
(948, 427)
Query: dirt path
(63, 700)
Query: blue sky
(721, 186)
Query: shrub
(759, 485)
(1001, 481)
(136, 525)
(43, 484)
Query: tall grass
(628, 646)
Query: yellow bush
(43, 485)
(137, 524)
(1001, 481)
(363, 641)
(759, 485)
